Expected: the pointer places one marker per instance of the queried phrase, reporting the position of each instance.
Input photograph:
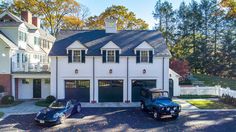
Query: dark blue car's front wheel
(156, 115)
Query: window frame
(80, 56)
(147, 51)
(114, 57)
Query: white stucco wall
(25, 91)
(66, 71)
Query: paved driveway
(127, 119)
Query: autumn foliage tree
(181, 67)
(52, 12)
(126, 19)
(231, 5)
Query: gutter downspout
(163, 61)
(56, 77)
(127, 77)
(93, 101)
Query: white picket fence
(215, 90)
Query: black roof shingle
(127, 40)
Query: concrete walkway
(185, 105)
(26, 107)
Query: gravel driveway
(127, 119)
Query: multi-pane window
(110, 56)
(22, 36)
(144, 56)
(76, 56)
(36, 41)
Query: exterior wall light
(76, 71)
(110, 71)
(144, 71)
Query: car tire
(175, 116)
(142, 106)
(78, 109)
(62, 118)
(156, 115)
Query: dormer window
(110, 56)
(144, 56)
(76, 56)
(22, 36)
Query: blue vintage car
(157, 101)
(57, 112)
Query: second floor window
(110, 56)
(22, 36)
(76, 56)
(36, 41)
(144, 56)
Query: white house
(24, 48)
(108, 65)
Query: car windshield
(159, 94)
(58, 104)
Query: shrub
(8, 99)
(1, 89)
(50, 99)
(228, 99)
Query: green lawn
(1, 114)
(214, 80)
(197, 96)
(210, 104)
(42, 103)
(10, 105)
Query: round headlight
(162, 108)
(175, 108)
(168, 108)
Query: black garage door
(110, 90)
(77, 89)
(138, 84)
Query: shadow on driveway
(123, 119)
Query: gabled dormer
(110, 53)
(144, 53)
(76, 52)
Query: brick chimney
(111, 25)
(26, 16)
(36, 21)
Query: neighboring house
(24, 48)
(108, 65)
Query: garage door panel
(138, 84)
(110, 90)
(77, 89)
